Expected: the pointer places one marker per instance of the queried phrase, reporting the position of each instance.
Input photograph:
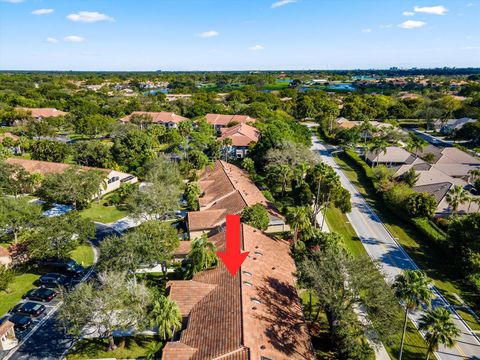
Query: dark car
(21, 322)
(70, 267)
(40, 294)
(54, 280)
(28, 308)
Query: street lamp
(164, 268)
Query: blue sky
(237, 34)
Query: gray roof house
(451, 125)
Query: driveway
(46, 340)
(382, 247)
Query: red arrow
(233, 257)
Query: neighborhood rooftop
(224, 120)
(44, 112)
(254, 315)
(241, 134)
(161, 117)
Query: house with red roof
(168, 119)
(220, 121)
(242, 136)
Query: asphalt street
(47, 340)
(382, 247)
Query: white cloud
(408, 13)
(209, 34)
(470, 4)
(469, 47)
(52, 40)
(386, 26)
(436, 10)
(257, 48)
(73, 38)
(42, 11)
(412, 24)
(13, 1)
(366, 30)
(89, 17)
(282, 3)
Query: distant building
(220, 121)
(393, 156)
(242, 136)
(168, 119)
(449, 126)
(255, 315)
(226, 189)
(5, 257)
(41, 113)
(113, 179)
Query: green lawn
(19, 286)
(338, 222)
(469, 319)
(83, 255)
(101, 213)
(414, 347)
(128, 348)
(428, 256)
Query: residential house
(433, 179)
(256, 314)
(451, 160)
(392, 156)
(41, 113)
(226, 189)
(345, 124)
(449, 126)
(220, 121)
(168, 119)
(175, 97)
(8, 340)
(242, 135)
(113, 179)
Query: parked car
(40, 294)
(21, 322)
(28, 308)
(70, 267)
(54, 280)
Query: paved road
(382, 247)
(48, 341)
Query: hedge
(425, 226)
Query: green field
(128, 348)
(83, 255)
(19, 286)
(101, 213)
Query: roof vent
(255, 300)
(258, 253)
(248, 283)
(247, 273)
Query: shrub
(6, 277)
(429, 230)
(256, 216)
(421, 205)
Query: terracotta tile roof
(44, 112)
(187, 294)
(46, 167)
(161, 117)
(177, 351)
(207, 219)
(183, 248)
(224, 120)
(241, 135)
(226, 187)
(256, 313)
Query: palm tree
(455, 197)
(226, 145)
(377, 146)
(415, 143)
(366, 128)
(439, 329)
(153, 350)
(285, 174)
(299, 219)
(412, 288)
(166, 317)
(202, 254)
